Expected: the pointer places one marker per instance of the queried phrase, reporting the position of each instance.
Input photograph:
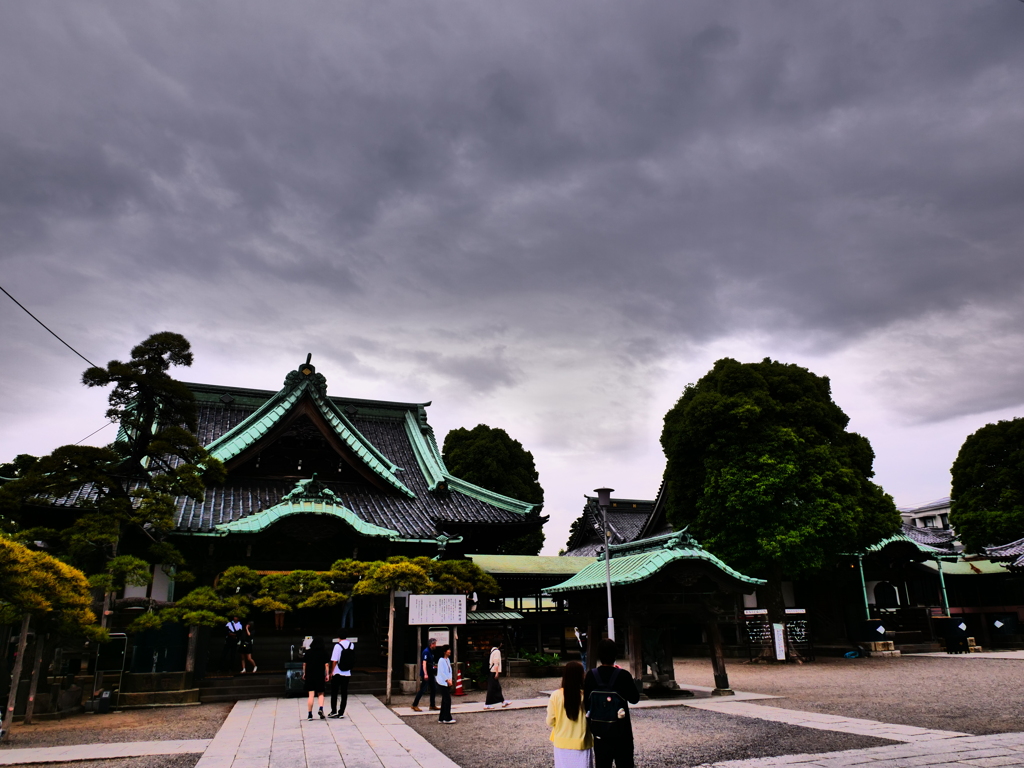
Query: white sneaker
(243, 671)
(503, 704)
(490, 706)
(254, 668)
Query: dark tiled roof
(626, 520)
(932, 537)
(1014, 550)
(384, 426)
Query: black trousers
(339, 683)
(494, 694)
(427, 684)
(611, 749)
(446, 704)
(229, 657)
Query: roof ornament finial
(307, 372)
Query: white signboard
(779, 636)
(437, 609)
(442, 637)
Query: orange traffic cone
(458, 684)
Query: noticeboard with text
(437, 609)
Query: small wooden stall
(658, 584)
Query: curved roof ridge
(297, 384)
(424, 446)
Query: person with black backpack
(342, 660)
(607, 692)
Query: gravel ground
(200, 722)
(665, 738)
(156, 761)
(977, 696)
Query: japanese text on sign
(437, 609)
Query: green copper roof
(902, 538)
(429, 458)
(508, 565)
(472, 616)
(634, 562)
(267, 517)
(298, 385)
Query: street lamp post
(603, 498)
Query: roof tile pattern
(932, 537)
(422, 517)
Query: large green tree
(988, 486)
(488, 457)
(762, 470)
(125, 491)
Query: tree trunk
(776, 605)
(12, 697)
(34, 682)
(193, 641)
(391, 645)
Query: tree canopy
(988, 486)
(762, 470)
(489, 457)
(125, 491)
(130, 485)
(41, 585)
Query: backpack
(347, 658)
(605, 703)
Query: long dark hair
(572, 689)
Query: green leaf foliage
(988, 486)
(36, 583)
(490, 458)
(126, 491)
(762, 470)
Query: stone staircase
(271, 653)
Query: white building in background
(934, 514)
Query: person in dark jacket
(613, 742)
(314, 671)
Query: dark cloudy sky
(544, 216)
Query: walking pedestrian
(245, 643)
(608, 692)
(445, 684)
(314, 673)
(428, 668)
(342, 660)
(230, 654)
(495, 697)
(568, 722)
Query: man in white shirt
(341, 670)
(234, 633)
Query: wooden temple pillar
(636, 649)
(591, 645)
(717, 659)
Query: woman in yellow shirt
(568, 721)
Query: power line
(58, 338)
(91, 433)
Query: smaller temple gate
(658, 584)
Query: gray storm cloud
(473, 199)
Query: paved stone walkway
(274, 733)
(101, 751)
(1000, 749)
(822, 722)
